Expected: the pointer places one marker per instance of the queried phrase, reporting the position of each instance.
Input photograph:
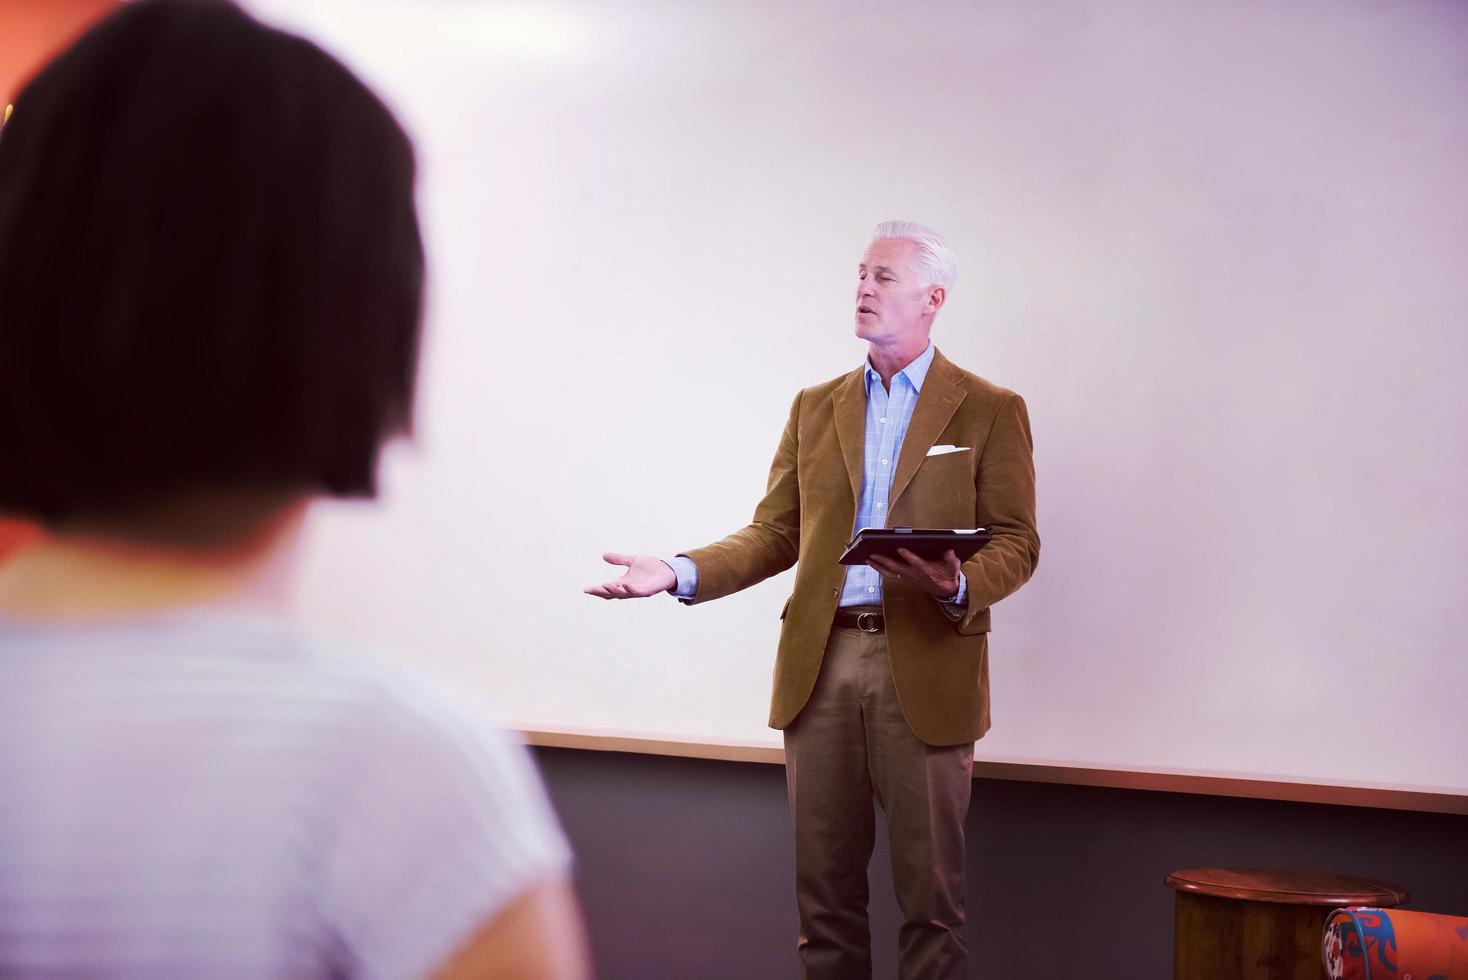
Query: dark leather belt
(860, 619)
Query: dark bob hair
(210, 269)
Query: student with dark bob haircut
(210, 287)
(210, 269)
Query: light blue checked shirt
(888, 416)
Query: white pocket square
(944, 450)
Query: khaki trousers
(849, 743)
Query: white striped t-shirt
(192, 795)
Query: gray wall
(684, 867)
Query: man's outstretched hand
(645, 576)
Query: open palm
(646, 575)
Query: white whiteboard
(1221, 249)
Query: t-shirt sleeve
(439, 821)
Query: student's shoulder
(363, 691)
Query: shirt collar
(915, 372)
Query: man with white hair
(881, 679)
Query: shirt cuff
(955, 607)
(687, 573)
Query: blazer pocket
(941, 494)
(945, 465)
(964, 453)
(979, 625)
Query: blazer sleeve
(1006, 506)
(770, 543)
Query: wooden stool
(1254, 924)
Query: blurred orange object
(15, 535)
(34, 31)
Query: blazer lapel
(936, 404)
(850, 404)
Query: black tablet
(929, 543)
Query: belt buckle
(863, 627)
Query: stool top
(1288, 887)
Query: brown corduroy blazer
(940, 665)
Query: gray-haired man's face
(892, 303)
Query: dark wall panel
(684, 867)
